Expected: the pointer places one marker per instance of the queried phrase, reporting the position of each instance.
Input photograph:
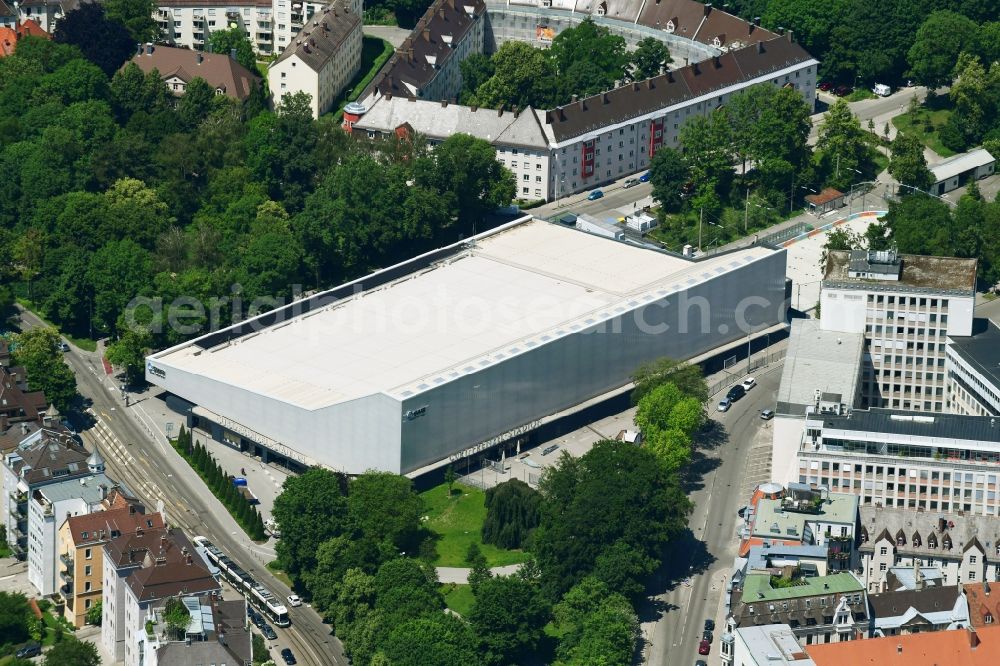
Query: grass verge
(374, 53)
(458, 597)
(279, 573)
(926, 125)
(860, 94)
(457, 522)
(86, 344)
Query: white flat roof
(829, 361)
(517, 288)
(960, 163)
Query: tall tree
(668, 173)
(512, 512)
(14, 613)
(522, 76)
(311, 508)
(465, 170)
(36, 349)
(939, 41)
(842, 148)
(103, 41)
(436, 640)
(129, 352)
(908, 164)
(650, 57)
(72, 652)
(384, 508)
(234, 39)
(136, 16)
(591, 43)
(508, 617)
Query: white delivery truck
(882, 90)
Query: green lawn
(458, 597)
(881, 162)
(860, 94)
(374, 53)
(86, 344)
(915, 124)
(457, 521)
(4, 549)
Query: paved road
(389, 33)
(674, 638)
(156, 473)
(881, 110)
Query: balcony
(66, 590)
(66, 575)
(20, 511)
(67, 559)
(21, 530)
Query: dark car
(710, 624)
(736, 393)
(644, 178)
(700, 662)
(825, 85)
(29, 650)
(268, 632)
(704, 647)
(596, 194)
(706, 636)
(287, 655)
(842, 91)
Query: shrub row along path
(461, 574)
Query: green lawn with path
(916, 124)
(86, 344)
(457, 521)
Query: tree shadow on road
(712, 436)
(683, 557)
(693, 476)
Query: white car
(294, 600)
(749, 383)
(724, 405)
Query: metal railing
(740, 370)
(788, 233)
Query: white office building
(974, 371)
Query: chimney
(548, 117)
(760, 47)
(199, 57)
(756, 21)
(670, 76)
(717, 61)
(583, 105)
(649, 84)
(441, 12)
(695, 69)
(789, 34)
(138, 48)
(604, 98)
(574, 99)
(517, 112)
(708, 8)
(500, 111)
(232, 53)
(149, 48)
(899, 648)
(426, 34)
(973, 638)
(444, 103)
(635, 86)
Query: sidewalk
(460, 575)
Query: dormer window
(932, 541)
(670, 27)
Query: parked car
(549, 449)
(294, 600)
(287, 655)
(258, 621)
(710, 624)
(631, 182)
(825, 86)
(268, 632)
(766, 414)
(63, 347)
(596, 194)
(749, 383)
(843, 91)
(736, 392)
(29, 650)
(724, 405)
(706, 636)
(644, 178)
(882, 90)
(704, 647)
(701, 662)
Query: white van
(882, 90)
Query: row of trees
(975, 95)
(221, 484)
(596, 528)
(763, 132)
(885, 42)
(115, 189)
(582, 60)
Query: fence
(738, 374)
(788, 233)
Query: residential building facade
(954, 543)
(141, 570)
(321, 60)
(765, 645)
(190, 23)
(81, 549)
(823, 609)
(904, 612)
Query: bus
(256, 594)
